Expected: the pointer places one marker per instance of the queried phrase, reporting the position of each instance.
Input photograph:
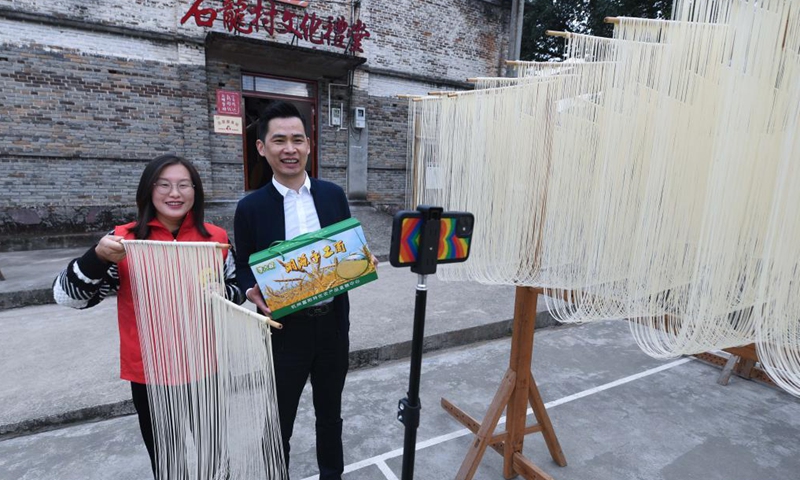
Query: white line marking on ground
(615, 383)
(387, 472)
(380, 460)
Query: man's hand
(254, 295)
(109, 249)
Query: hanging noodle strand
(208, 366)
(649, 177)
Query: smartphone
(455, 236)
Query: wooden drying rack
(518, 387)
(516, 391)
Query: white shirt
(299, 212)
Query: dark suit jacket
(259, 221)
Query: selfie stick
(409, 407)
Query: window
(277, 86)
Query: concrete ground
(64, 413)
(618, 415)
(61, 365)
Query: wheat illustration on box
(312, 267)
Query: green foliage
(578, 16)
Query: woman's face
(173, 195)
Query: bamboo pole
(556, 33)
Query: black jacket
(259, 221)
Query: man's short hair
(277, 109)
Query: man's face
(286, 148)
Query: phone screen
(455, 235)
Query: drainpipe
(515, 31)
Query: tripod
(408, 409)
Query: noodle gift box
(298, 273)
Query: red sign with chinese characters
(252, 16)
(229, 103)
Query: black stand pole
(408, 409)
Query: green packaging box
(309, 268)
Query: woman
(170, 207)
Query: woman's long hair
(144, 194)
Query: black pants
(212, 465)
(315, 347)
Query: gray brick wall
(332, 139)
(452, 39)
(225, 153)
(86, 104)
(388, 125)
(78, 129)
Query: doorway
(259, 91)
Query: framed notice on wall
(227, 125)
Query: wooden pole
(521, 354)
(555, 33)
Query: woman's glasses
(163, 186)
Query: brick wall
(78, 128)
(225, 153)
(153, 15)
(332, 139)
(388, 125)
(453, 39)
(88, 102)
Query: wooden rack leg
(517, 390)
(727, 370)
(478, 446)
(543, 419)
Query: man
(313, 342)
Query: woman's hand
(254, 295)
(109, 249)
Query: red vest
(130, 351)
